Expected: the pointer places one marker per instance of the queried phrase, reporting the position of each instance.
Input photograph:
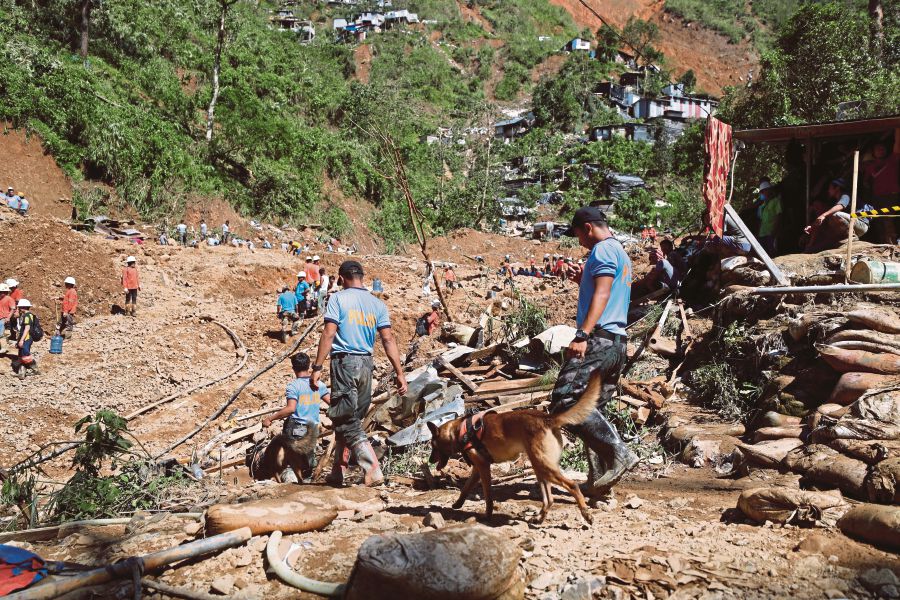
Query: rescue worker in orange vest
(7, 307)
(69, 306)
(15, 293)
(131, 285)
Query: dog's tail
(586, 403)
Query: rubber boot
(19, 369)
(340, 464)
(366, 458)
(612, 457)
(133, 309)
(32, 368)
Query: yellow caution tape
(878, 212)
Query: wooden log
(258, 413)
(226, 464)
(57, 586)
(243, 433)
(441, 361)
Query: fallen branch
(57, 586)
(240, 389)
(40, 534)
(239, 346)
(177, 592)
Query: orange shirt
(449, 275)
(312, 273)
(16, 295)
(130, 278)
(7, 305)
(70, 301)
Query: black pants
(603, 355)
(351, 395)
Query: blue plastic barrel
(56, 343)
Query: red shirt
(16, 294)
(7, 304)
(312, 273)
(884, 176)
(432, 321)
(449, 275)
(130, 278)
(70, 301)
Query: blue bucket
(56, 344)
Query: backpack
(422, 326)
(36, 331)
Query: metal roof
(831, 129)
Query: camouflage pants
(603, 355)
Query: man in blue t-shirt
(353, 317)
(301, 291)
(301, 427)
(287, 312)
(603, 296)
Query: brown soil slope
(715, 61)
(33, 172)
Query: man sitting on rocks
(833, 225)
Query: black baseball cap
(586, 214)
(350, 268)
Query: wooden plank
(258, 413)
(243, 433)
(478, 369)
(754, 243)
(847, 263)
(457, 373)
(484, 352)
(226, 464)
(504, 386)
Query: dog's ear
(432, 428)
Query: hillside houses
(358, 26)
(627, 97)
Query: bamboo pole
(754, 243)
(57, 586)
(840, 288)
(847, 264)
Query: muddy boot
(339, 466)
(32, 368)
(366, 458)
(288, 476)
(608, 457)
(133, 309)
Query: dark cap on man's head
(840, 182)
(350, 268)
(586, 214)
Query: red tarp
(717, 143)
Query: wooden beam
(440, 360)
(847, 264)
(754, 243)
(505, 386)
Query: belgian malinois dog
(502, 437)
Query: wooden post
(754, 243)
(847, 264)
(808, 161)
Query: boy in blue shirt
(604, 294)
(301, 426)
(287, 312)
(353, 317)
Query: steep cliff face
(715, 60)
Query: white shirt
(225, 228)
(181, 228)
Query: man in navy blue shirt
(599, 346)
(353, 317)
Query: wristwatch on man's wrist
(317, 368)
(580, 335)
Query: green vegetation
(824, 55)
(135, 483)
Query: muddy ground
(670, 530)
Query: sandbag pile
(786, 505)
(849, 436)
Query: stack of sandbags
(792, 506)
(873, 523)
(828, 468)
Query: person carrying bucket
(69, 306)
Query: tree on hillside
(224, 6)
(640, 35)
(608, 40)
(817, 64)
(86, 6)
(567, 100)
(689, 80)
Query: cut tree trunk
(86, 6)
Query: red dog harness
(471, 430)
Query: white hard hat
(316, 257)
(130, 259)
(70, 280)
(436, 304)
(12, 282)
(23, 303)
(4, 287)
(301, 274)
(308, 258)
